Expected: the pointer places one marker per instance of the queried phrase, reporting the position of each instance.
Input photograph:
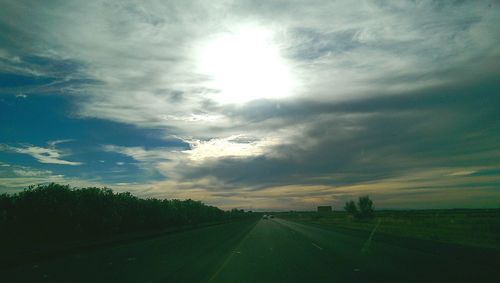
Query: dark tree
(365, 207)
(350, 207)
(362, 209)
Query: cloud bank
(396, 99)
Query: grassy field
(473, 227)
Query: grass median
(471, 227)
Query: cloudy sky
(255, 104)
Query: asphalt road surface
(272, 250)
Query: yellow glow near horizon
(245, 65)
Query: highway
(272, 250)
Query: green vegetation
(56, 212)
(473, 227)
(363, 209)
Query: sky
(281, 105)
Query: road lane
(273, 252)
(282, 251)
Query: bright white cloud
(233, 146)
(175, 163)
(24, 172)
(462, 173)
(141, 154)
(44, 155)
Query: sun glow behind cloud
(245, 65)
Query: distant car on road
(265, 216)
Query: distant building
(325, 209)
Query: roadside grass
(472, 227)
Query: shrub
(363, 208)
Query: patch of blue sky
(40, 119)
(18, 159)
(110, 167)
(65, 66)
(15, 80)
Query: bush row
(55, 210)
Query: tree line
(55, 210)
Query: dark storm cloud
(370, 139)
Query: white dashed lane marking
(317, 246)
